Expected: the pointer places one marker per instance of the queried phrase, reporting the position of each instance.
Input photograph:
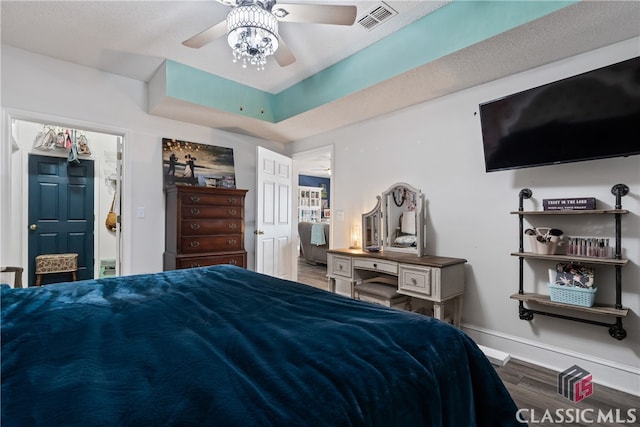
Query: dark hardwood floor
(534, 388)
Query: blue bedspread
(224, 346)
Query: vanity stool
(56, 263)
(381, 293)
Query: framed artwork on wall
(190, 163)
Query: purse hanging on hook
(83, 145)
(112, 218)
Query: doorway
(314, 164)
(100, 253)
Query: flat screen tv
(593, 115)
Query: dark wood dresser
(204, 226)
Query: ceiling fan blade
(318, 14)
(283, 55)
(207, 36)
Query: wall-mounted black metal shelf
(616, 310)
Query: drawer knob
(195, 199)
(233, 225)
(195, 211)
(231, 242)
(232, 211)
(414, 281)
(375, 265)
(194, 243)
(195, 265)
(233, 200)
(195, 226)
(233, 262)
(339, 266)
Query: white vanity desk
(431, 278)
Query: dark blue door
(61, 218)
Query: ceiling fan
(251, 27)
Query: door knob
(33, 227)
(258, 232)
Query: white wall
(437, 147)
(35, 86)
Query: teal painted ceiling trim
(199, 87)
(453, 27)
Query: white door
(118, 204)
(273, 220)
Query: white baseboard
(497, 357)
(605, 372)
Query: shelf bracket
(619, 190)
(617, 331)
(525, 193)
(525, 313)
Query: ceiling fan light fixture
(252, 33)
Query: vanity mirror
(397, 222)
(403, 220)
(371, 225)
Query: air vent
(376, 16)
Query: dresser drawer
(211, 212)
(194, 244)
(239, 259)
(211, 200)
(216, 226)
(376, 265)
(339, 266)
(418, 281)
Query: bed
(227, 346)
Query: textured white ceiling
(133, 38)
